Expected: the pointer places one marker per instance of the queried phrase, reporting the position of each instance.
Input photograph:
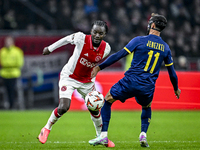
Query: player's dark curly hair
(159, 20)
(101, 23)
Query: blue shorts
(127, 88)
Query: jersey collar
(91, 46)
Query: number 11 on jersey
(150, 53)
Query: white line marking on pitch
(65, 142)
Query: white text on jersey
(86, 63)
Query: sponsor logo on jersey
(86, 63)
(63, 88)
(99, 54)
(86, 54)
(98, 58)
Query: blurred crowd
(125, 19)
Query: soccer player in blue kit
(139, 80)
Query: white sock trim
(143, 133)
(104, 134)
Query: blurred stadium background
(38, 23)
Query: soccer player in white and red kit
(76, 74)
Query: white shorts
(67, 86)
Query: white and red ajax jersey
(84, 58)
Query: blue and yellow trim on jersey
(169, 64)
(127, 50)
(129, 58)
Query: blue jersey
(149, 53)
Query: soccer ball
(94, 100)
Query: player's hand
(46, 51)
(95, 71)
(177, 93)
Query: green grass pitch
(175, 130)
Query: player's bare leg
(62, 108)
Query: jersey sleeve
(168, 59)
(113, 58)
(173, 77)
(107, 50)
(130, 47)
(75, 38)
(20, 58)
(170, 67)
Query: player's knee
(62, 110)
(109, 98)
(63, 106)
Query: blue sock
(106, 115)
(145, 119)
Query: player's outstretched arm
(177, 93)
(46, 51)
(174, 80)
(95, 71)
